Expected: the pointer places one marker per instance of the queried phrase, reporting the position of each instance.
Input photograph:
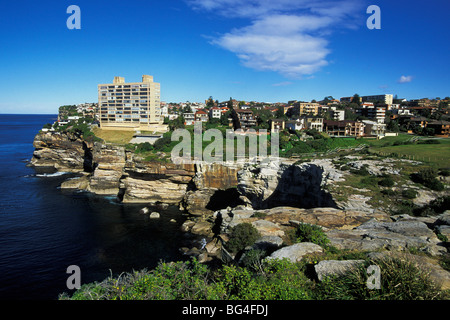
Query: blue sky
(262, 50)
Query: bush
(144, 147)
(241, 236)
(386, 182)
(311, 233)
(444, 172)
(162, 143)
(388, 192)
(428, 141)
(409, 193)
(435, 185)
(399, 280)
(428, 178)
(436, 206)
(361, 171)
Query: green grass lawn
(435, 154)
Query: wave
(56, 174)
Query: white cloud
(282, 84)
(405, 79)
(284, 36)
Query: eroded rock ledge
(198, 188)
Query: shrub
(162, 143)
(361, 171)
(428, 141)
(399, 280)
(388, 192)
(144, 147)
(409, 193)
(435, 185)
(241, 236)
(386, 182)
(428, 178)
(311, 233)
(444, 172)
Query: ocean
(44, 230)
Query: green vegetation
(272, 280)
(435, 153)
(241, 236)
(428, 178)
(310, 233)
(400, 280)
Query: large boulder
(267, 228)
(327, 268)
(296, 251)
(399, 235)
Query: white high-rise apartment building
(134, 105)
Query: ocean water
(44, 230)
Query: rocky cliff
(274, 184)
(199, 188)
(61, 151)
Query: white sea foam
(55, 174)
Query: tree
(230, 103)
(224, 118)
(210, 103)
(356, 99)
(279, 114)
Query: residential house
(201, 115)
(306, 108)
(344, 128)
(215, 112)
(337, 115)
(243, 119)
(370, 111)
(295, 124)
(189, 118)
(314, 123)
(419, 121)
(374, 128)
(276, 125)
(441, 128)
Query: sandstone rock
(444, 218)
(62, 151)
(267, 228)
(202, 228)
(268, 243)
(399, 236)
(187, 225)
(203, 257)
(296, 252)
(444, 230)
(141, 190)
(437, 274)
(195, 202)
(283, 184)
(80, 183)
(213, 247)
(327, 268)
(154, 215)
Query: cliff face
(276, 184)
(154, 181)
(201, 189)
(61, 151)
